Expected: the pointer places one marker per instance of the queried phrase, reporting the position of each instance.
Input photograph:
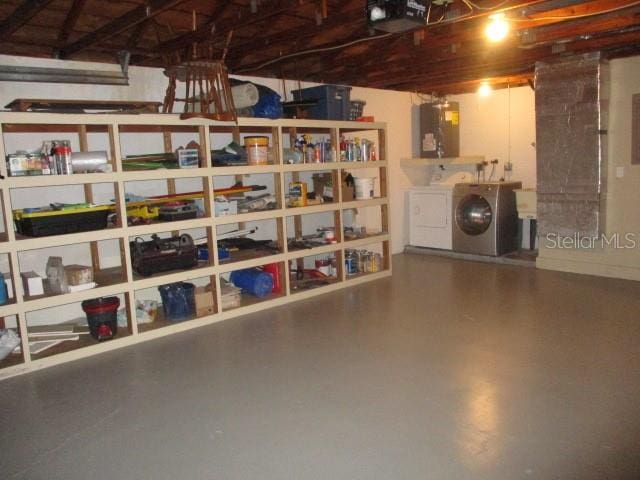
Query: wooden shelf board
(354, 165)
(247, 255)
(299, 286)
(246, 169)
(109, 282)
(247, 300)
(85, 341)
(425, 162)
(203, 269)
(249, 217)
(366, 240)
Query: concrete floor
(449, 370)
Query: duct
(62, 75)
(571, 137)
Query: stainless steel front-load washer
(485, 219)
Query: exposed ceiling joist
(119, 25)
(243, 19)
(25, 12)
(70, 21)
(329, 41)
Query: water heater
(440, 129)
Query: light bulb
(485, 89)
(377, 13)
(498, 28)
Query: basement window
(635, 130)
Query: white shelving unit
(122, 280)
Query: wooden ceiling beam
(243, 19)
(119, 25)
(456, 72)
(467, 86)
(21, 15)
(611, 24)
(588, 10)
(70, 21)
(310, 37)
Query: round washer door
(473, 215)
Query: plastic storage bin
(333, 101)
(178, 301)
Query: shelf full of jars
(121, 228)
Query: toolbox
(59, 220)
(163, 254)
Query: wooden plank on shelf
(81, 106)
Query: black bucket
(102, 317)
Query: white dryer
(430, 211)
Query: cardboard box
(231, 295)
(32, 284)
(188, 158)
(205, 303)
(323, 187)
(78, 274)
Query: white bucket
(364, 187)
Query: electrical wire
(313, 50)
(470, 4)
(473, 5)
(571, 17)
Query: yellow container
(257, 150)
(298, 194)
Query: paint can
(364, 187)
(323, 265)
(350, 262)
(257, 149)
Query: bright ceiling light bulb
(498, 28)
(377, 13)
(485, 89)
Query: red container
(102, 317)
(273, 269)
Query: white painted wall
(503, 126)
